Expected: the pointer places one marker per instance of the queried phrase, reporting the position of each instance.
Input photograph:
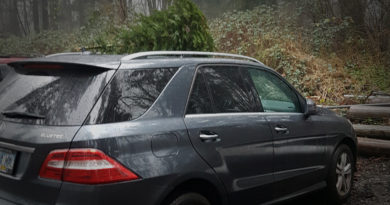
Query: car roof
(105, 61)
(144, 59)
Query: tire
(340, 176)
(190, 198)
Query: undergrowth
(323, 60)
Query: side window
(200, 101)
(228, 90)
(275, 95)
(130, 94)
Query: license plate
(7, 161)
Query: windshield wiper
(16, 114)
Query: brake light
(84, 166)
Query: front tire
(191, 198)
(340, 176)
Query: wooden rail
(372, 139)
(373, 131)
(367, 146)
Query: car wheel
(191, 198)
(340, 177)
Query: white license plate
(7, 161)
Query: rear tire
(340, 176)
(191, 198)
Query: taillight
(84, 166)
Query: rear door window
(61, 95)
(229, 91)
(130, 94)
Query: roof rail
(182, 54)
(68, 53)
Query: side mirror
(311, 107)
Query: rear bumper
(138, 192)
(6, 202)
(37, 191)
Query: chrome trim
(68, 53)
(240, 114)
(208, 137)
(185, 53)
(280, 129)
(16, 147)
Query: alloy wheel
(344, 174)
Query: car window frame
(88, 120)
(301, 99)
(246, 84)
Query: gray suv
(171, 128)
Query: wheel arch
(350, 143)
(210, 188)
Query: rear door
(227, 129)
(42, 107)
(299, 142)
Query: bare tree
(36, 16)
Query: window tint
(275, 95)
(130, 94)
(200, 101)
(63, 96)
(228, 90)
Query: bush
(181, 27)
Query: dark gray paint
(249, 164)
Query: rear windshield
(60, 95)
(130, 94)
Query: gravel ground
(372, 185)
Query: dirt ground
(371, 185)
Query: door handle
(282, 130)
(208, 136)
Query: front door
(228, 130)
(298, 141)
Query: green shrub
(331, 34)
(181, 27)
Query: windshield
(61, 96)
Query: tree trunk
(373, 131)
(45, 15)
(373, 147)
(369, 112)
(36, 16)
(11, 21)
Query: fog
(25, 17)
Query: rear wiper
(16, 114)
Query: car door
(227, 129)
(299, 143)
